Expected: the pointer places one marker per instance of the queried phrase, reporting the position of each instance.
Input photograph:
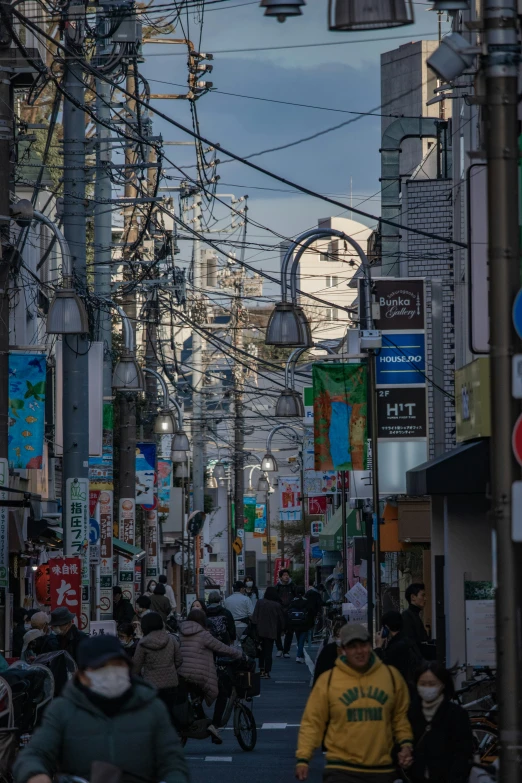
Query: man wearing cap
(69, 637)
(359, 709)
(104, 716)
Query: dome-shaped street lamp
(269, 463)
(282, 8)
(346, 15)
(219, 471)
(263, 484)
(289, 405)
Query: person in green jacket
(104, 715)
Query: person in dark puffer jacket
(220, 621)
(158, 658)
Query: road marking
(218, 758)
(309, 663)
(273, 726)
(290, 682)
(292, 725)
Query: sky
(338, 78)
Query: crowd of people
(373, 708)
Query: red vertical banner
(65, 580)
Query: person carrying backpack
(396, 649)
(300, 620)
(220, 621)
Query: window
(332, 282)
(323, 257)
(332, 314)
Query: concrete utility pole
(102, 288)
(127, 401)
(198, 442)
(75, 348)
(501, 65)
(6, 185)
(239, 423)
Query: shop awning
(40, 531)
(461, 471)
(127, 550)
(331, 539)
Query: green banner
(249, 511)
(340, 417)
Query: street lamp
(219, 471)
(180, 441)
(289, 403)
(269, 462)
(346, 15)
(281, 9)
(164, 422)
(263, 484)
(127, 375)
(67, 313)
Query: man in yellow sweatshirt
(359, 710)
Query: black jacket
(18, 639)
(446, 749)
(122, 611)
(313, 596)
(413, 627)
(220, 623)
(402, 653)
(300, 605)
(71, 641)
(326, 659)
(286, 593)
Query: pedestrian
(69, 637)
(286, 591)
(22, 624)
(151, 587)
(197, 650)
(359, 710)
(269, 620)
(159, 602)
(240, 606)
(28, 650)
(413, 627)
(300, 619)
(251, 590)
(220, 622)
(48, 642)
(122, 611)
(127, 637)
(142, 607)
(169, 592)
(326, 659)
(158, 658)
(314, 597)
(104, 716)
(443, 739)
(395, 649)
(197, 604)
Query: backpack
(217, 626)
(297, 617)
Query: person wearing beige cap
(48, 641)
(359, 710)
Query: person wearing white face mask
(443, 741)
(104, 716)
(69, 636)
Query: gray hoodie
(157, 659)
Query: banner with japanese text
(249, 513)
(101, 495)
(152, 542)
(340, 416)
(260, 524)
(26, 410)
(65, 585)
(289, 498)
(164, 484)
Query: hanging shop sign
(145, 472)
(26, 410)
(164, 485)
(340, 416)
(249, 513)
(260, 523)
(289, 498)
(402, 360)
(151, 529)
(66, 585)
(399, 303)
(401, 412)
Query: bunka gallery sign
(400, 302)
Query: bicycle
(484, 725)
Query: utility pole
(239, 429)
(127, 400)
(75, 348)
(501, 65)
(102, 288)
(6, 186)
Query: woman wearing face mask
(251, 590)
(104, 716)
(127, 638)
(443, 742)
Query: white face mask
(249, 584)
(429, 692)
(111, 681)
(27, 626)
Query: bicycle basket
(248, 684)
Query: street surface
(278, 713)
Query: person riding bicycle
(104, 716)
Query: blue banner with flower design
(26, 409)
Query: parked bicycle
(483, 714)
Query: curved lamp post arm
(274, 430)
(332, 232)
(162, 384)
(180, 412)
(62, 242)
(288, 255)
(128, 332)
(292, 361)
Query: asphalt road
(278, 713)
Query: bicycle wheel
(485, 740)
(245, 727)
